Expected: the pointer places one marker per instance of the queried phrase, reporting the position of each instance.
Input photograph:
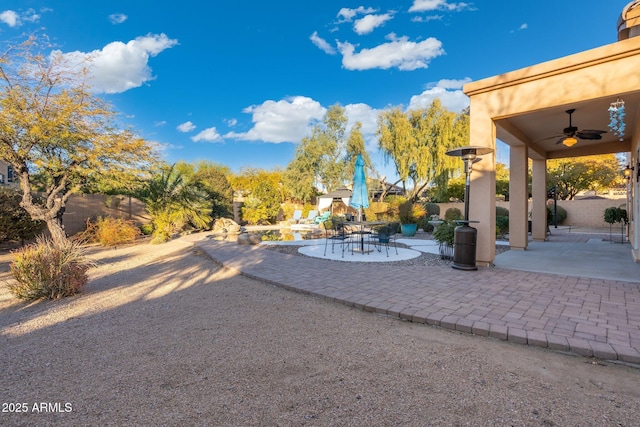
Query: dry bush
(44, 271)
(111, 231)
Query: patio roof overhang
(528, 106)
(526, 109)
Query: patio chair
(297, 216)
(322, 218)
(337, 232)
(311, 217)
(385, 235)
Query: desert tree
(416, 142)
(212, 179)
(264, 192)
(54, 130)
(573, 175)
(356, 145)
(319, 158)
(325, 159)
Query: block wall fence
(81, 207)
(580, 213)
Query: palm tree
(173, 205)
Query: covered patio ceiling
(540, 130)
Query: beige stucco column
(634, 211)
(518, 197)
(539, 200)
(482, 198)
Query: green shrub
(410, 213)
(393, 203)
(306, 208)
(502, 221)
(15, 223)
(500, 211)
(112, 231)
(445, 232)
(502, 225)
(432, 209)
(147, 229)
(288, 209)
(423, 223)
(613, 215)
(44, 271)
(255, 212)
(452, 214)
(562, 214)
(377, 210)
(165, 225)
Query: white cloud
(398, 53)
(520, 28)
(163, 147)
(160, 123)
(207, 135)
(186, 127)
(10, 18)
(292, 119)
(232, 122)
(322, 43)
(117, 18)
(13, 19)
(287, 120)
(369, 23)
(452, 84)
(427, 18)
(428, 5)
(118, 67)
(31, 16)
(448, 91)
(364, 114)
(346, 15)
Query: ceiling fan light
(569, 141)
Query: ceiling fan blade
(548, 138)
(590, 134)
(573, 132)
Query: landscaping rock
(249, 239)
(226, 226)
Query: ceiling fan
(571, 134)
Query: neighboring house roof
(340, 193)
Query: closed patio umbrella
(360, 196)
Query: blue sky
(241, 82)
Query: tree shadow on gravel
(167, 269)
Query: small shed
(326, 200)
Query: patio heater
(465, 236)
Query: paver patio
(589, 317)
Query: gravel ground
(163, 336)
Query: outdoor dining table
(362, 226)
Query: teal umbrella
(360, 195)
